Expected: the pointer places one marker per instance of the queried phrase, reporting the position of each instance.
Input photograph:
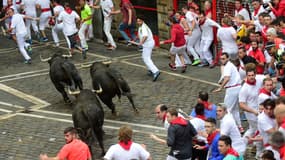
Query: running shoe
(44, 39)
(172, 67)
(184, 69)
(29, 49)
(196, 62)
(29, 61)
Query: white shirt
(57, 10)
(255, 17)
(30, 6)
(275, 152)
(143, 31)
(243, 12)
(5, 2)
(18, 24)
(116, 152)
(231, 70)
(43, 3)
(199, 125)
(228, 127)
(189, 16)
(265, 123)
(207, 29)
(225, 34)
(106, 6)
(249, 95)
(68, 20)
(262, 97)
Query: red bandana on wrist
(125, 145)
(251, 83)
(263, 90)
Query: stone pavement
(25, 135)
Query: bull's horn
(98, 91)
(86, 65)
(66, 55)
(73, 93)
(107, 62)
(44, 60)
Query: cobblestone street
(23, 136)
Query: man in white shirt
(206, 26)
(266, 121)
(229, 128)
(239, 10)
(126, 149)
(228, 35)
(44, 6)
(29, 7)
(147, 42)
(231, 82)
(69, 18)
(266, 91)
(58, 27)
(194, 34)
(107, 7)
(248, 101)
(18, 27)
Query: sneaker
(111, 48)
(129, 43)
(84, 51)
(29, 61)
(44, 39)
(149, 73)
(155, 76)
(196, 62)
(140, 49)
(30, 41)
(212, 65)
(57, 44)
(203, 64)
(29, 49)
(184, 69)
(172, 67)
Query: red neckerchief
(263, 90)
(203, 117)
(231, 151)
(247, 46)
(264, 29)
(282, 152)
(282, 92)
(7, 7)
(226, 26)
(164, 117)
(180, 121)
(208, 11)
(239, 9)
(207, 105)
(68, 10)
(211, 137)
(283, 123)
(125, 145)
(256, 11)
(251, 83)
(202, 22)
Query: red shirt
(259, 56)
(125, 5)
(177, 36)
(75, 150)
(280, 9)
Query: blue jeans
(123, 27)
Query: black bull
(112, 84)
(63, 73)
(88, 118)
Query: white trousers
(21, 45)
(83, 28)
(29, 23)
(205, 50)
(146, 56)
(107, 29)
(252, 128)
(178, 62)
(231, 101)
(44, 18)
(192, 41)
(55, 30)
